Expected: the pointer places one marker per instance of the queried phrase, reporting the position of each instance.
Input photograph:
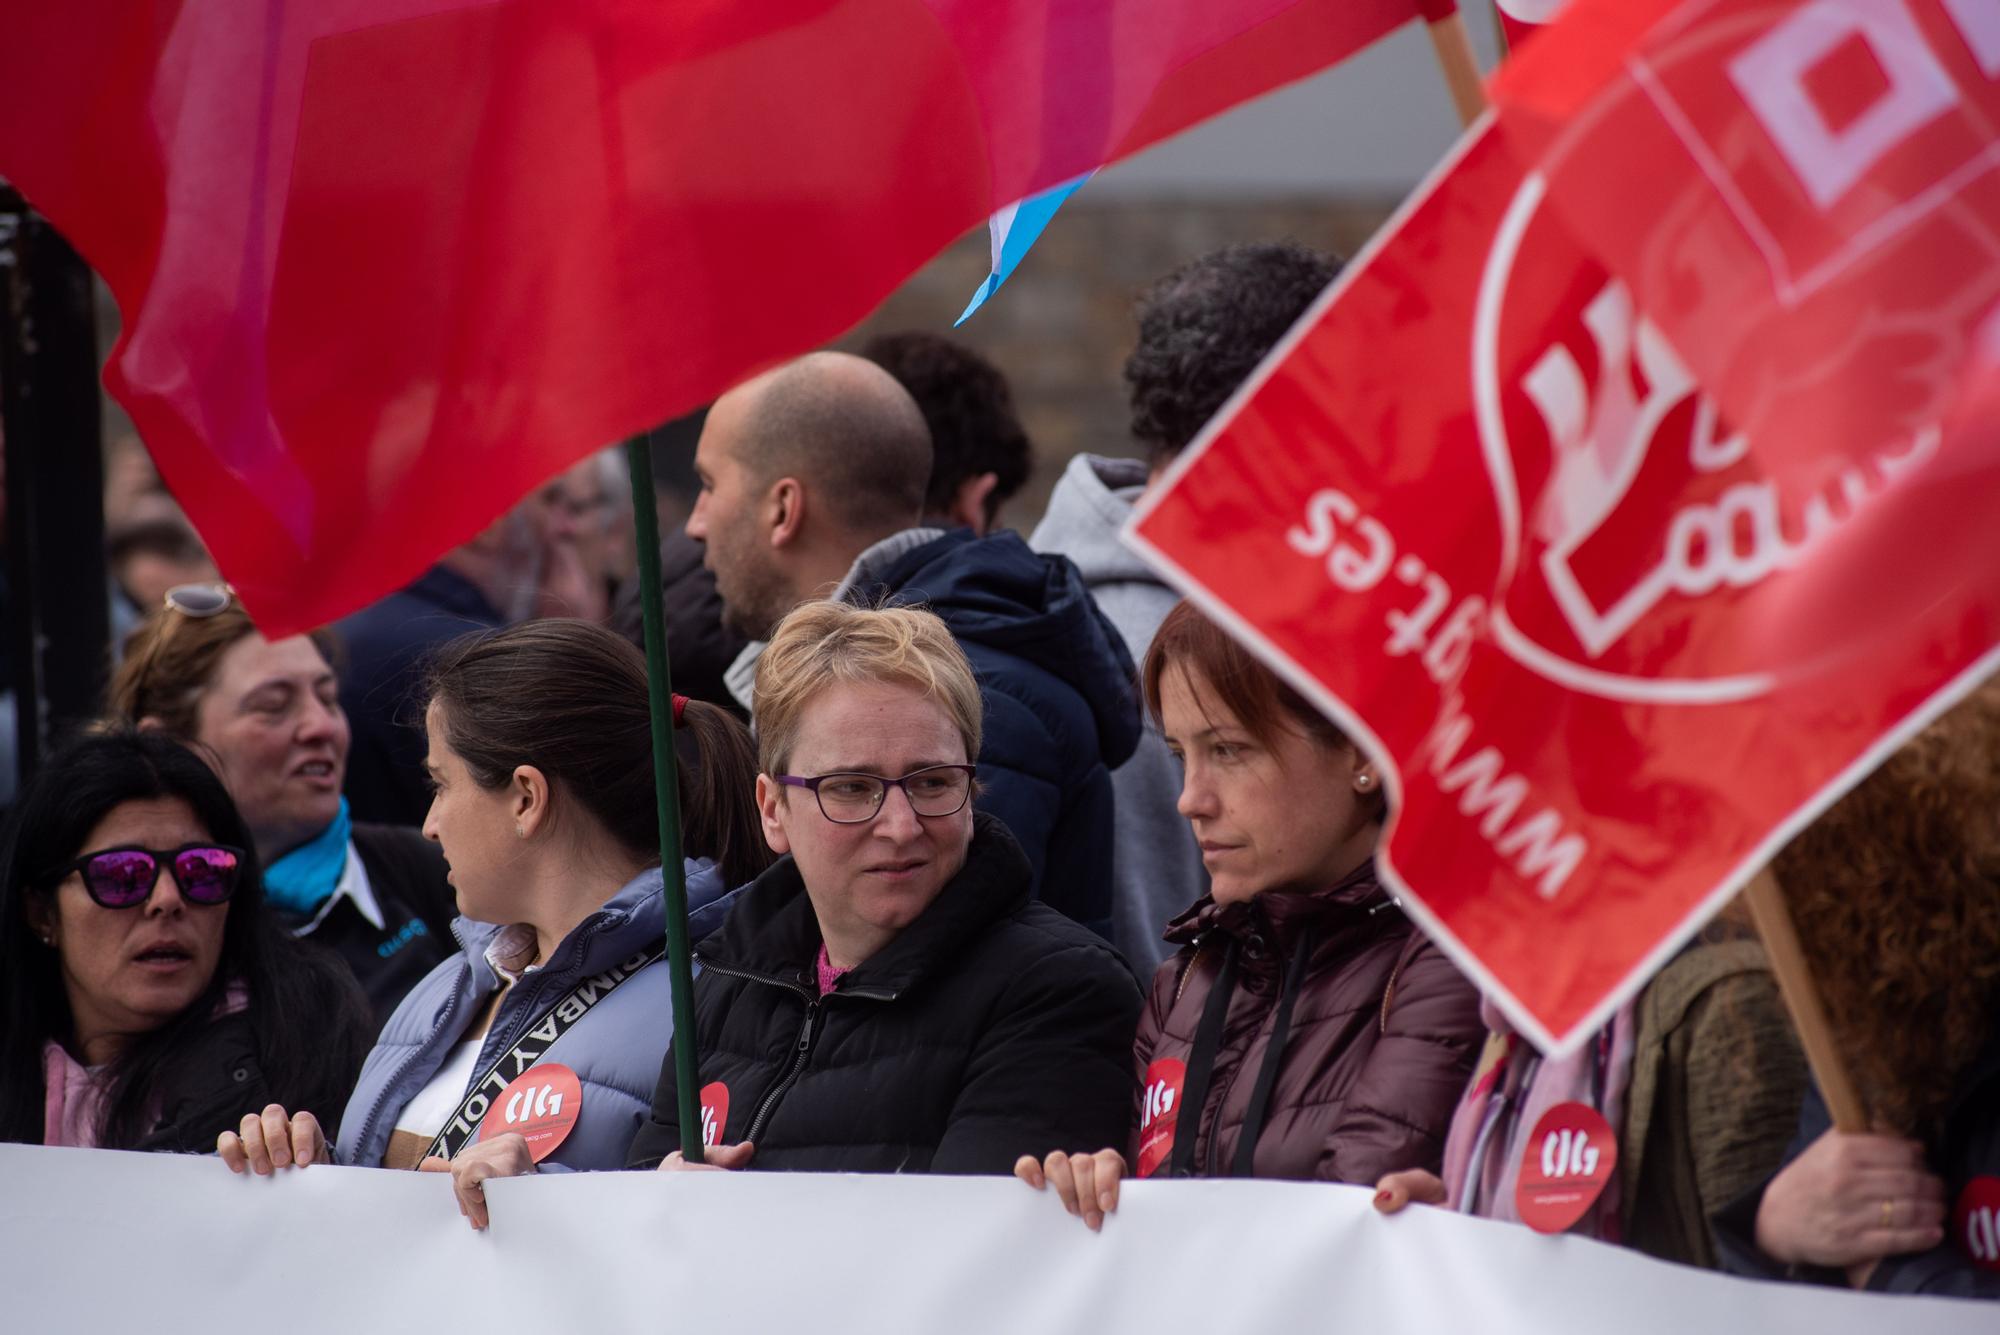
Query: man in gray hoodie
(1202, 330)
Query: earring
(1364, 781)
(520, 832)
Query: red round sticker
(1159, 1111)
(541, 1104)
(1566, 1166)
(714, 1113)
(1976, 1222)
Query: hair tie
(680, 708)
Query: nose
(897, 819)
(697, 520)
(430, 830)
(1197, 799)
(165, 898)
(318, 720)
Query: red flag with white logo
(1612, 649)
(385, 265)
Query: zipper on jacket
(800, 1052)
(368, 1123)
(802, 1049)
(444, 1022)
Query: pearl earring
(1364, 781)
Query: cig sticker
(1566, 1166)
(541, 1104)
(1159, 1112)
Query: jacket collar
(630, 921)
(1281, 916)
(773, 935)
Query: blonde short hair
(820, 644)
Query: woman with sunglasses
(268, 714)
(1307, 1029)
(556, 1005)
(147, 999)
(888, 997)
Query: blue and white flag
(1014, 229)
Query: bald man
(812, 486)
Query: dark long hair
(305, 1012)
(569, 698)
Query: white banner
(96, 1241)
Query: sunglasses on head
(123, 878)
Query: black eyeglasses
(851, 799)
(123, 877)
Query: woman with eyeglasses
(267, 713)
(888, 997)
(535, 1045)
(148, 1001)
(1306, 1029)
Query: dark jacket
(1716, 1077)
(991, 1027)
(385, 649)
(1060, 697)
(1967, 1145)
(406, 875)
(219, 1080)
(1382, 1036)
(702, 647)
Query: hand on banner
(1851, 1200)
(1397, 1190)
(719, 1157)
(502, 1156)
(1087, 1183)
(273, 1139)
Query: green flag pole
(666, 784)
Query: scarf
(303, 879)
(1489, 1132)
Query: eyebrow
(876, 772)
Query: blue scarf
(303, 879)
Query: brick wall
(1062, 326)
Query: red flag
(387, 264)
(1479, 509)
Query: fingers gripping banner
(351, 1249)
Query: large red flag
(1612, 651)
(386, 264)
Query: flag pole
(1452, 45)
(666, 787)
(1766, 901)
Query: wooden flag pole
(1766, 902)
(666, 787)
(1453, 46)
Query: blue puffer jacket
(1060, 695)
(615, 1049)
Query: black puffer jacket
(991, 1027)
(219, 1080)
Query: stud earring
(520, 832)
(1364, 781)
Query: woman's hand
(1397, 1190)
(716, 1157)
(1087, 1183)
(267, 1141)
(1851, 1200)
(502, 1156)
